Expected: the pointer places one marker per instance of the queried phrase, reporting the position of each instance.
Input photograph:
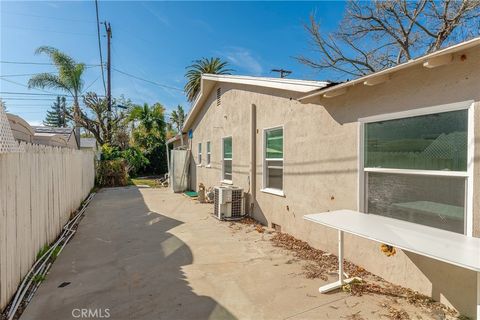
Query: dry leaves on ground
(322, 264)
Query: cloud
(244, 59)
(161, 18)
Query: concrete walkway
(151, 254)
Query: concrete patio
(150, 254)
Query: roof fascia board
(433, 57)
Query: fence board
(39, 189)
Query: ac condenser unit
(228, 203)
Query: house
(58, 137)
(89, 143)
(398, 143)
(21, 130)
(92, 145)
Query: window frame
(222, 178)
(265, 188)
(199, 154)
(468, 174)
(208, 153)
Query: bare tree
(95, 120)
(376, 35)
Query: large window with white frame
(416, 168)
(199, 153)
(273, 159)
(209, 153)
(227, 157)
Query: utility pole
(283, 72)
(109, 78)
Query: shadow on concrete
(123, 259)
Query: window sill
(199, 165)
(275, 192)
(208, 166)
(226, 182)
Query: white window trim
(208, 154)
(276, 192)
(199, 154)
(362, 177)
(279, 192)
(222, 179)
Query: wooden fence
(39, 189)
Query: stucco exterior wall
(321, 162)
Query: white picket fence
(39, 189)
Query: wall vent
(219, 95)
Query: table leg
(478, 295)
(341, 276)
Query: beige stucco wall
(321, 161)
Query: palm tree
(68, 79)
(177, 118)
(195, 71)
(151, 125)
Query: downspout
(253, 156)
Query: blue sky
(155, 41)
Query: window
(273, 155)
(227, 159)
(209, 153)
(415, 169)
(200, 154)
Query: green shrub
(112, 173)
(135, 160)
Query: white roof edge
(296, 85)
(249, 79)
(452, 49)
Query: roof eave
(420, 60)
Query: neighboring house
(176, 141)
(90, 144)
(399, 143)
(21, 130)
(58, 137)
(62, 137)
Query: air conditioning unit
(228, 203)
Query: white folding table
(446, 246)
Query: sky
(154, 41)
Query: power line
(46, 17)
(91, 84)
(20, 84)
(100, 47)
(33, 93)
(29, 99)
(38, 94)
(149, 81)
(51, 31)
(40, 63)
(21, 75)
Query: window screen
(430, 142)
(273, 175)
(227, 158)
